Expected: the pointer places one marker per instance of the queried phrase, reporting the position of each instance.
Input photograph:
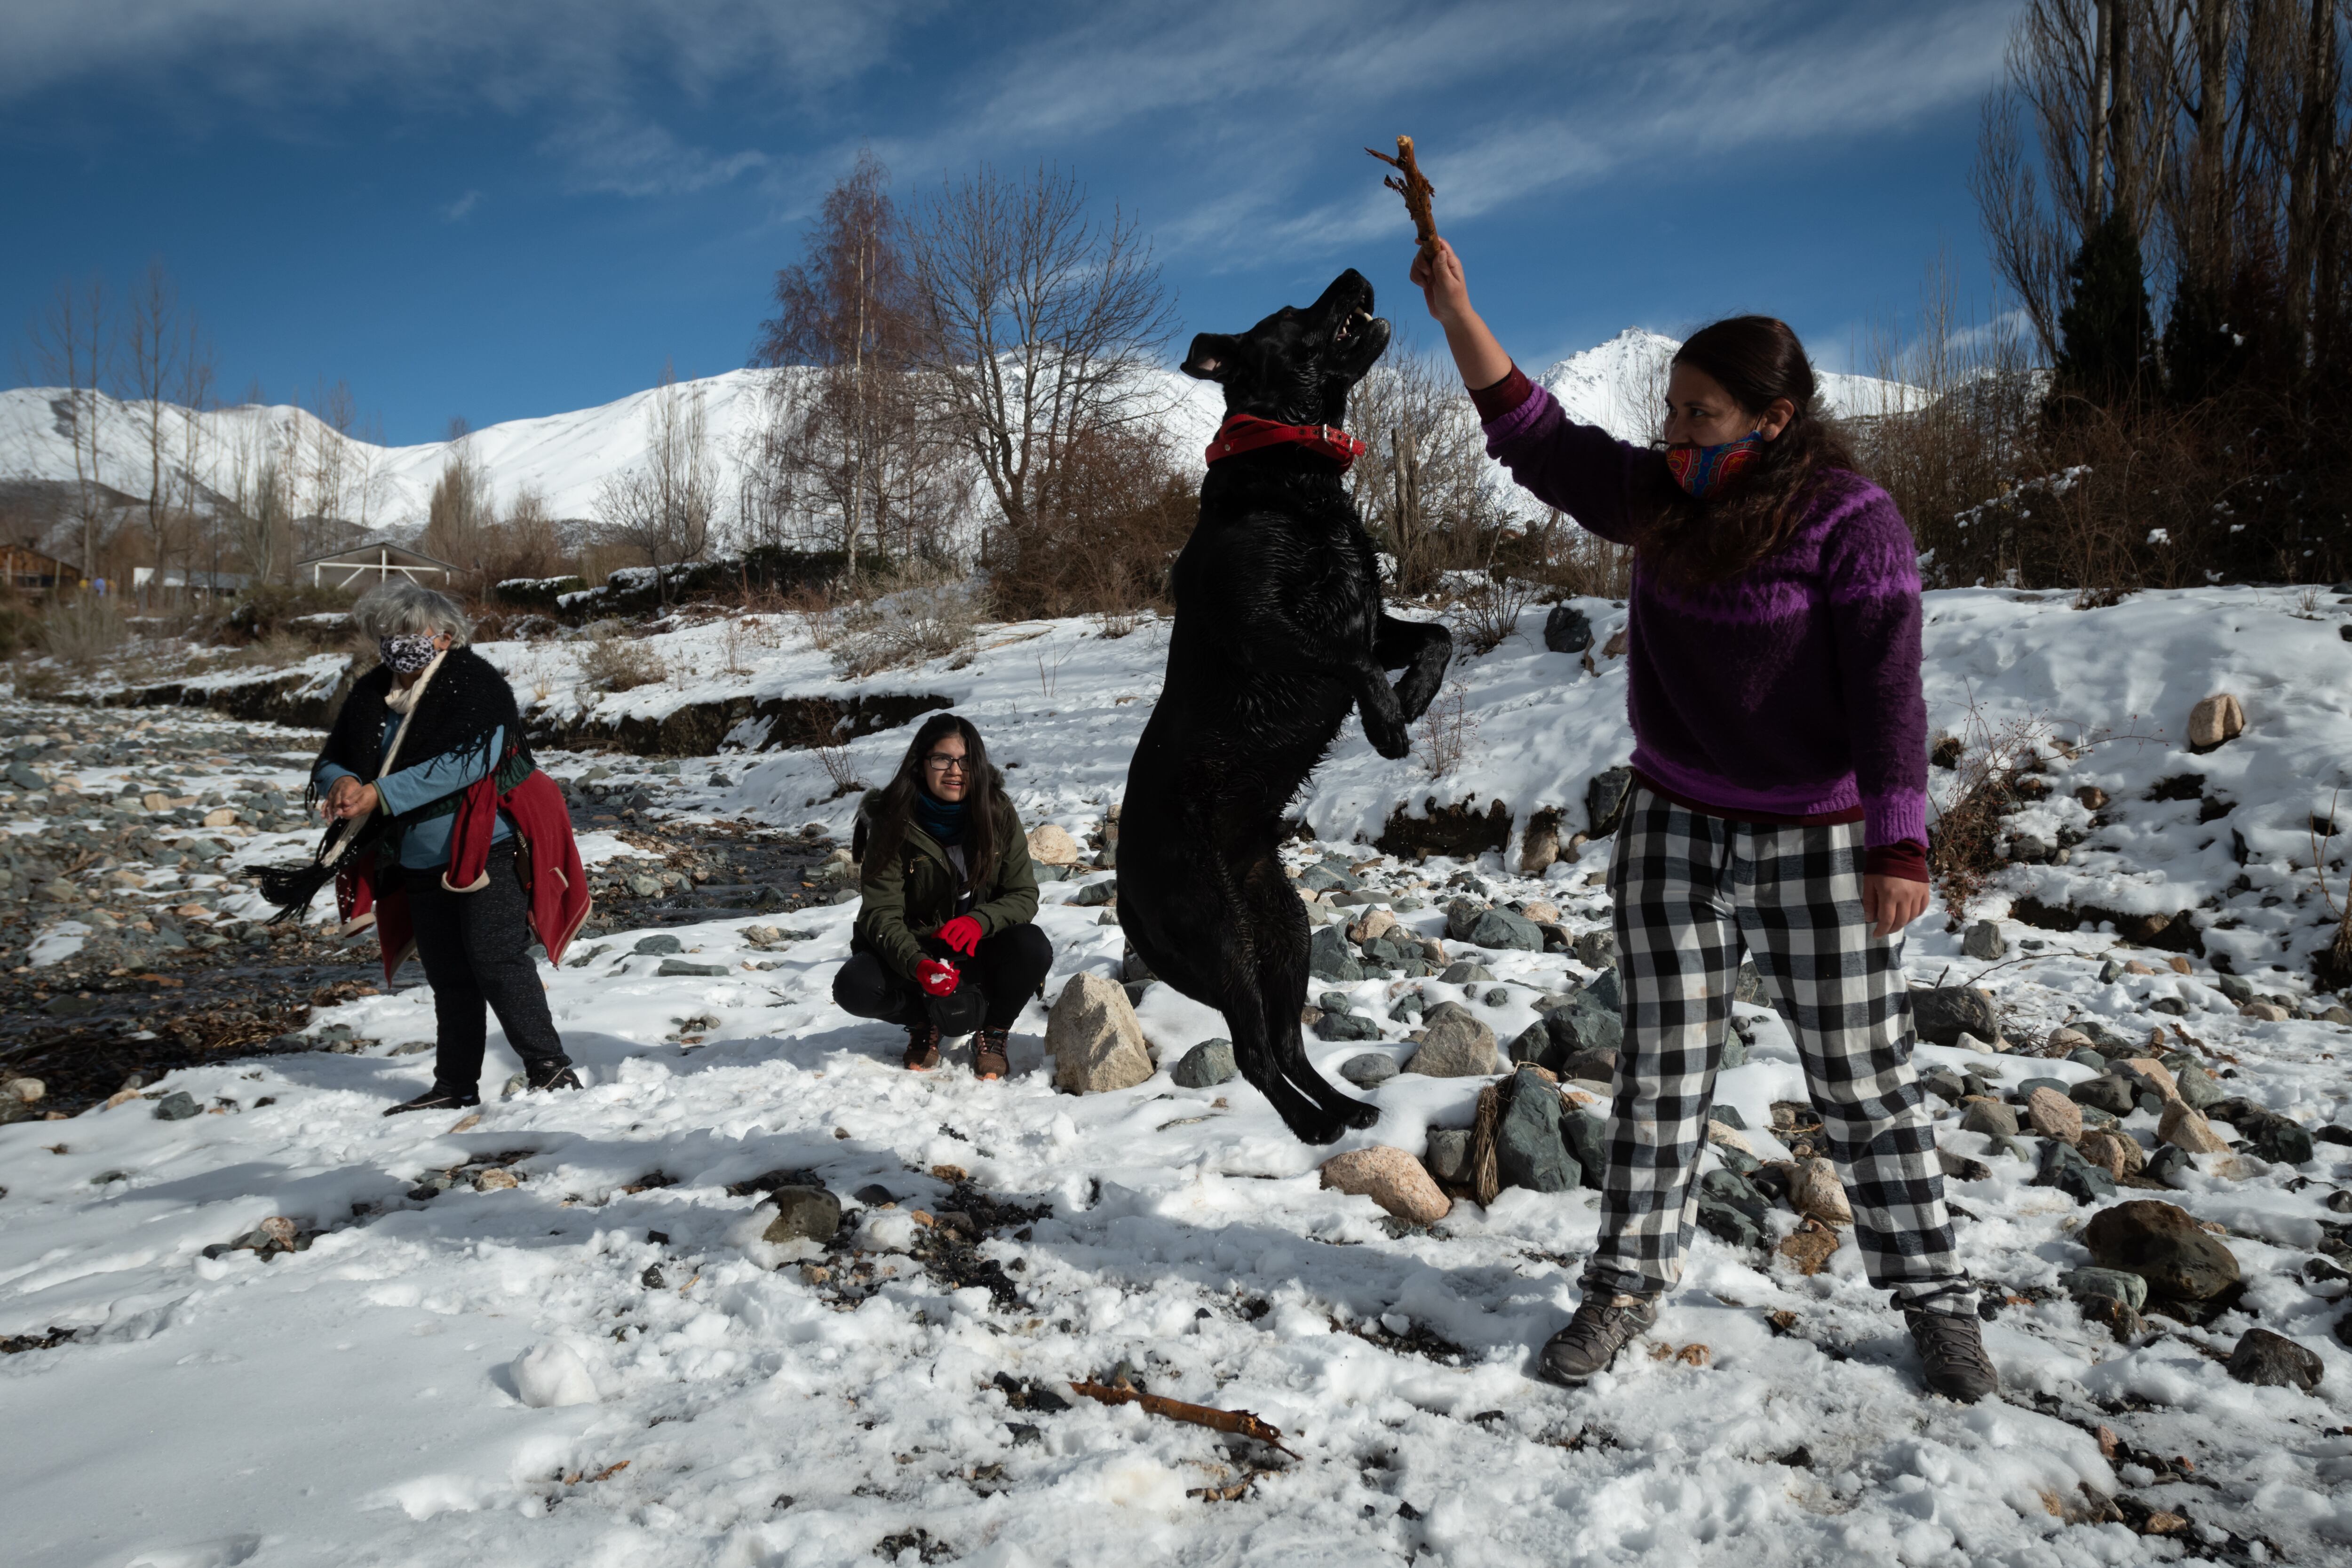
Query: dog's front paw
(1389, 739)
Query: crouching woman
(946, 941)
(441, 826)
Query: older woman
(945, 942)
(450, 836)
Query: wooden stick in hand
(1415, 188)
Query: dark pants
(475, 949)
(998, 980)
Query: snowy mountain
(566, 456)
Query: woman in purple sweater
(1778, 808)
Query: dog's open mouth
(1354, 321)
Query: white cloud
(638, 158)
(464, 204)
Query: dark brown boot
(989, 1057)
(922, 1046)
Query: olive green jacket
(915, 893)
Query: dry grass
(1489, 613)
(613, 661)
(81, 630)
(1447, 730)
(926, 615)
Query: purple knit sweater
(1791, 690)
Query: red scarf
(1246, 432)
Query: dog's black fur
(1278, 632)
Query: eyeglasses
(945, 764)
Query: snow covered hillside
(566, 456)
(556, 1331)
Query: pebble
(176, 1107)
(806, 1213)
(1983, 943)
(1370, 1069)
(659, 943)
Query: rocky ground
(759, 1296)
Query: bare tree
(153, 340)
(194, 393)
(845, 451)
(526, 542)
(73, 352)
(1424, 486)
(260, 500)
(458, 513)
(1036, 317)
(664, 507)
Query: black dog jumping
(1279, 631)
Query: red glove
(939, 979)
(961, 934)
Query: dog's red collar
(1246, 432)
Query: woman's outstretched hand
(347, 798)
(1476, 354)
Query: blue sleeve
(409, 788)
(325, 775)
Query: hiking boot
(988, 1054)
(922, 1047)
(440, 1096)
(1602, 1326)
(1951, 1350)
(549, 1074)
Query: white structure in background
(377, 560)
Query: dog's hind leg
(1422, 649)
(1280, 923)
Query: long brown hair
(1756, 360)
(897, 807)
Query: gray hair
(405, 608)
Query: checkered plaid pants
(1692, 892)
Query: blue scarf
(943, 820)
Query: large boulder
(1094, 1039)
(2163, 1244)
(1050, 845)
(1586, 1136)
(1942, 1014)
(1391, 1178)
(1529, 1151)
(1455, 1045)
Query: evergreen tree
(2107, 344)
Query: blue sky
(512, 208)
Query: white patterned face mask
(405, 655)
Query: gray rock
(1497, 997)
(1532, 1044)
(2110, 972)
(2028, 850)
(2117, 1284)
(2163, 1244)
(2272, 1360)
(2237, 989)
(1529, 1151)
(1369, 1071)
(1597, 949)
(2170, 1165)
(1729, 1116)
(1990, 1118)
(1455, 1045)
(1327, 957)
(1462, 972)
(1448, 1158)
(1566, 630)
(1737, 1043)
(2106, 1092)
(1607, 991)
(1942, 1014)
(687, 966)
(2062, 1168)
(1750, 985)
(1347, 1027)
(71, 1007)
(1093, 1037)
(176, 1107)
(803, 1213)
(1731, 1210)
(1335, 1002)
(1605, 801)
(1407, 1009)
(2197, 1087)
(1092, 895)
(1206, 1066)
(660, 942)
(1984, 942)
(2088, 1057)
(1323, 879)
(1500, 928)
(1461, 915)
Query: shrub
(264, 608)
(613, 661)
(80, 629)
(919, 620)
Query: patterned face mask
(405, 655)
(1702, 471)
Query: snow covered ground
(602, 1363)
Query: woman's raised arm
(1476, 354)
